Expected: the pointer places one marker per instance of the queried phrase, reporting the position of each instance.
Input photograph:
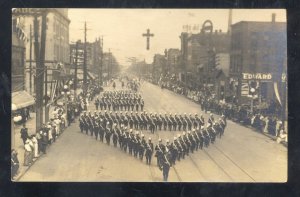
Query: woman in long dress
(36, 146)
(32, 147)
(27, 154)
(266, 129)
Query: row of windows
(61, 53)
(236, 64)
(60, 30)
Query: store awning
(21, 99)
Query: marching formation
(120, 100)
(113, 127)
(147, 121)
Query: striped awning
(22, 99)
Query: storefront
(21, 102)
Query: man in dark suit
(149, 151)
(24, 133)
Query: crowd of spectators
(259, 119)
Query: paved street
(241, 155)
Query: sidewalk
(18, 142)
(266, 134)
(19, 146)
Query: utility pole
(40, 59)
(46, 95)
(37, 62)
(30, 63)
(76, 65)
(84, 63)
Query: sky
(122, 29)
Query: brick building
(93, 61)
(198, 53)
(258, 48)
(173, 57)
(57, 43)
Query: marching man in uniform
(149, 151)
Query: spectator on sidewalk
(278, 127)
(32, 147)
(23, 115)
(49, 134)
(44, 142)
(63, 123)
(24, 133)
(57, 122)
(39, 140)
(266, 123)
(53, 132)
(69, 117)
(35, 145)
(27, 113)
(14, 163)
(282, 137)
(27, 154)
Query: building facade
(18, 52)
(198, 53)
(20, 97)
(94, 55)
(221, 76)
(159, 67)
(173, 58)
(57, 44)
(258, 48)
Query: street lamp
(66, 93)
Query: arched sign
(207, 27)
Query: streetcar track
(177, 174)
(217, 164)
(235, 163)
(151, 173)
(192, 160)
(197, 167)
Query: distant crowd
(261, 120)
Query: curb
(268, 135)
(21, 174)
(265, 134)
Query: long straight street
(241, 155)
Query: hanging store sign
(245, 89)
(257, 76)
